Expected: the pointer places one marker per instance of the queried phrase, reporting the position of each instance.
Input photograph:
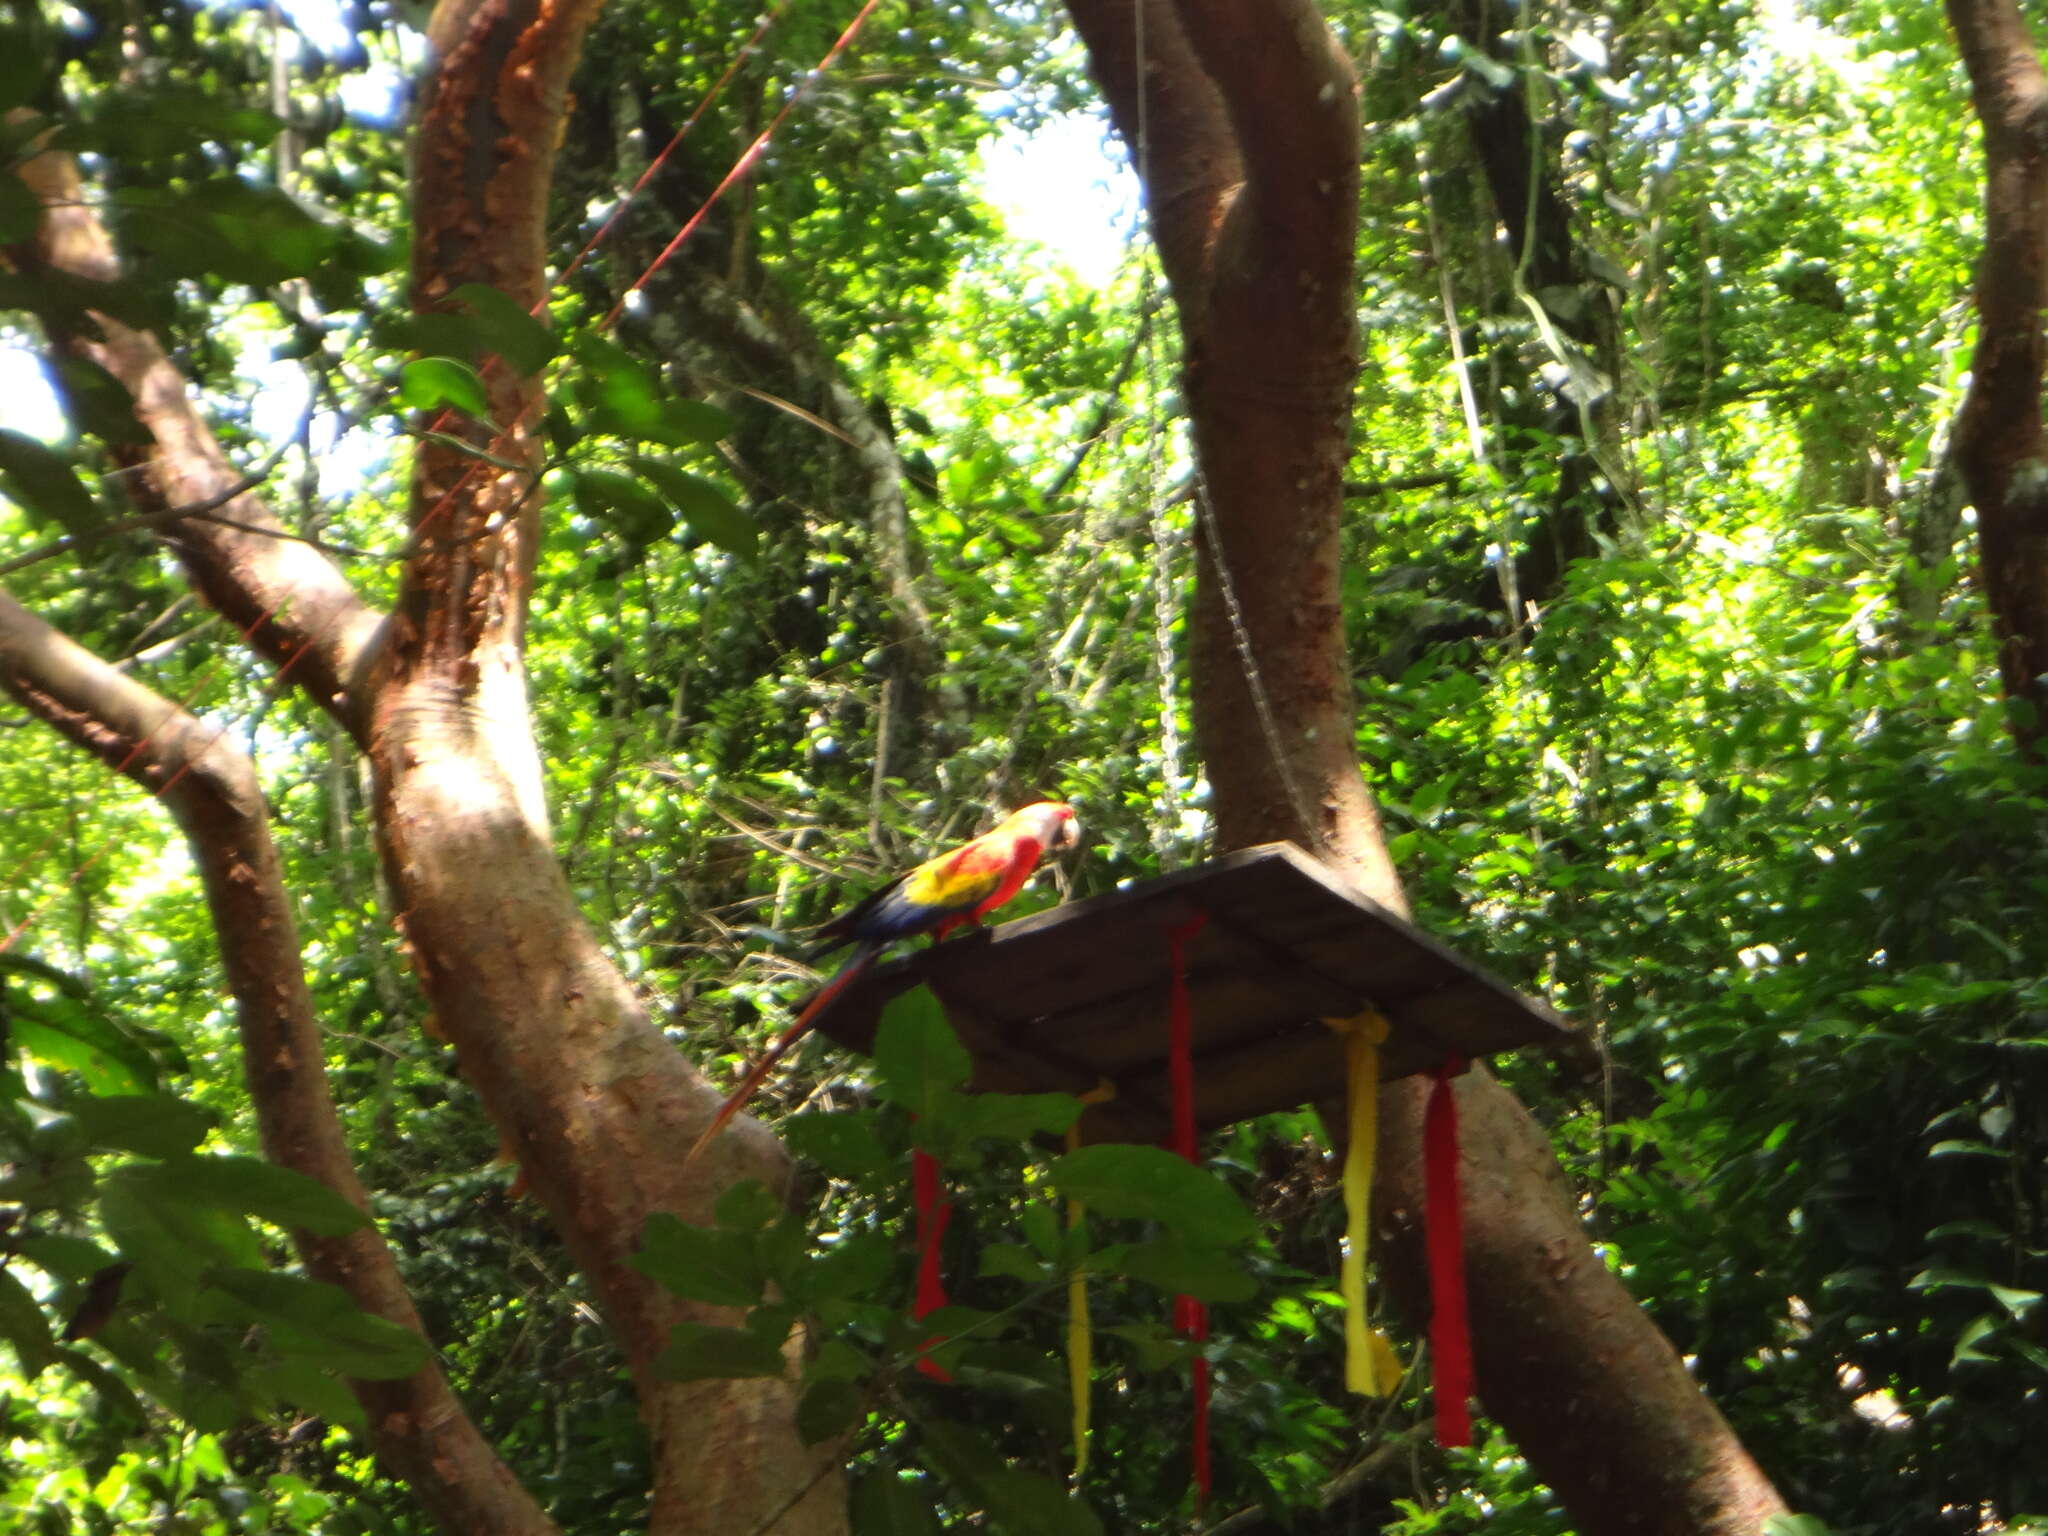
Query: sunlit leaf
(427, 383)
(1152, 1184)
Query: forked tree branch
(208, 784)
(293, 603)
(1253, 202)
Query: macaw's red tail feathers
(758, 1072)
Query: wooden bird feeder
(1063, 999)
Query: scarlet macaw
(936, 897)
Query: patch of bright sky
(1066, 188)
(1793, 33)
(1065, 191)
(31, 408)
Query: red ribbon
(1450, 1334)
(933, 1212)
(1190, 1317)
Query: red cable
(745, 163)
(768, 20)
(933, 1212)
(1190, 1317)
(1450, 1334)
(739, 169)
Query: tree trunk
(593, 1099)
(420, 1429)
(1246, 136)
(1999, 444)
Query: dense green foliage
(1731, 785)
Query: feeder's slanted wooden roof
(1068, 997)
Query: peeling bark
(1247, 137)
(594, 1101)
(419, 1428)
(1999, 441)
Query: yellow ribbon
(1080, 1338)
(1369, 1365)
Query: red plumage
(936, 897)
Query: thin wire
(1163, 592)
(1254, 681)
(1164, 606)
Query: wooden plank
(1067, 997)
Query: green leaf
(45, 485)
(427, 383)
(747, 1207)
(1042, 1229)
(172, 1238)
(249, 1186)
(23, 1325)
(1178, 1268)
(837, 1360)
(66, 1033)
(19, 210)
(309, 1388)
(152, 1124)
(161, 121)
(1013, 1261)
(2014, 1299)
(1021, 1503)
(622, 502)
(1152, 1184)
(24, 60)
(853, 1269)
(844, 1145)
(66, 1257)
(619, 396)
(827, 1408)
(707, 510)
(890, 1504)
(318, 1323)
(100, 403)
(1155, 1348)
(117, 1400)
(917, 1055)
(700, 1263)
(507, 329)
(1984, 1326)
(686, 422)
(437, 333)
(236, 230)
(700, 1352)
(1011, 1116)
(1795, 1525)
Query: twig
(1359, 490)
